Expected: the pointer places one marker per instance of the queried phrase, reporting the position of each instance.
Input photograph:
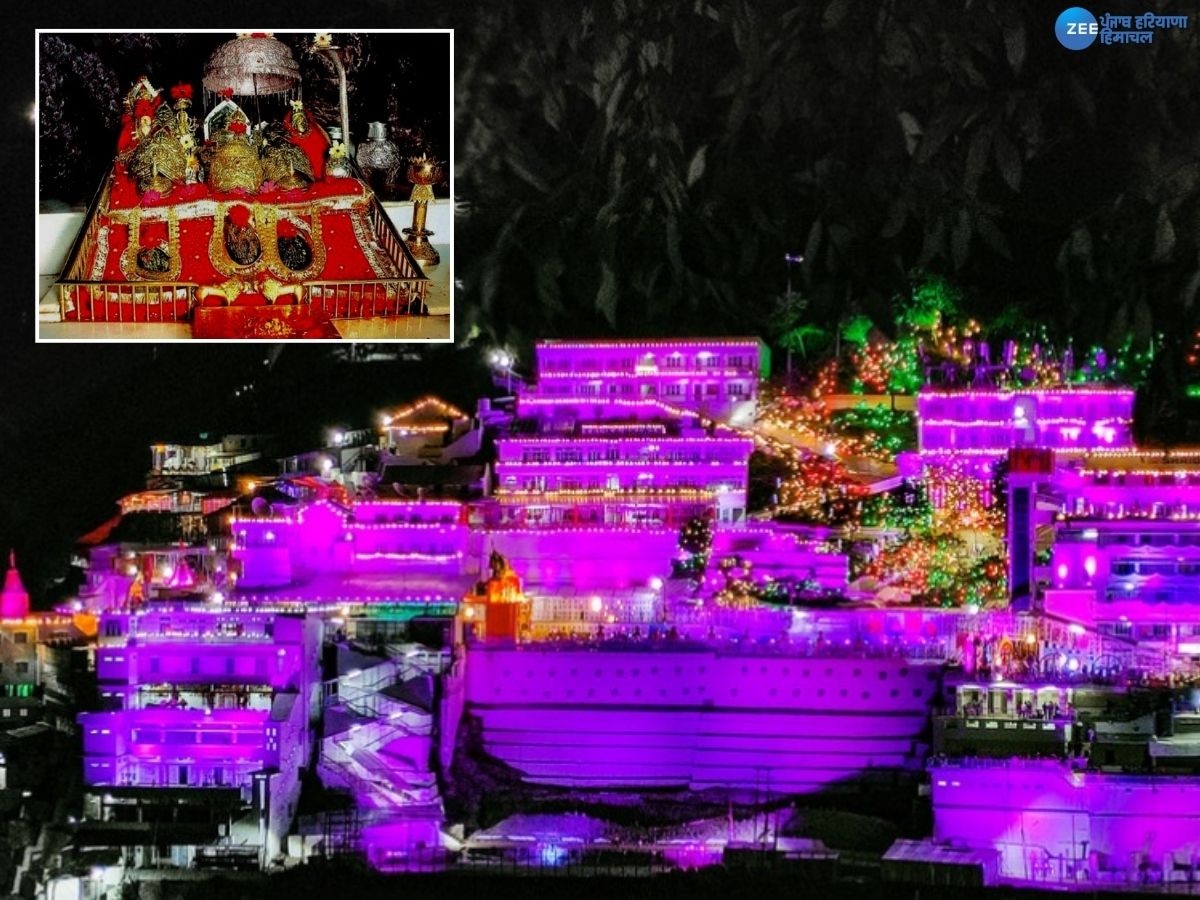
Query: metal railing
(119, 301)
(85, 300)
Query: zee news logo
(1077, 29)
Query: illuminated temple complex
(240, 215)
(598, 609)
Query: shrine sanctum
(246, 217)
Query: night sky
(798, 110)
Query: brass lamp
(423, 173)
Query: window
(22, 668)
(21, 637)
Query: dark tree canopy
(643, 166)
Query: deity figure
(294, 248)
(158, 158)
(309, 137)
(182, 95)
(241, 236)
(284, 163)
(192, 172)
(235, 164)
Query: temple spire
(14, 600)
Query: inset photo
(253, 185)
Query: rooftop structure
(640, 467)
(208, 459)
(14, 599)
(717, 377)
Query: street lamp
(791, 258)
(503, 360)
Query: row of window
(613, 483)
(1149, 539)
(672, 391)
(733, 692)
(1155, 567)
(230, 665)
(649, 360)
(187, 736)
(644, 456)
(636, 672)
(1128, 629)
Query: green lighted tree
(933, 300)
(695, 540)
(857, 331)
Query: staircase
(384, 760)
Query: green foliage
(906, 508)
(892, 430)
(906, 376)
(933, 300)
(857, 330)
(641, 167)
(695, 538)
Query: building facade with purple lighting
(1077, 829)
(203, 700)
(757, 722)
(324, 539)
(1126, 556)
(623, 472)
(717, 377)
(990, 422)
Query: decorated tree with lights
(940, 569)
(821, 490)
(738, 590)
(695, 545)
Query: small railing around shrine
(372, 297)
(117, 301)
(82, 299)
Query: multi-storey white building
(198, 700)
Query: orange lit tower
(498, 610)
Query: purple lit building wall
(553, 559)
(1126, 555)
(990, 422)
(199, 699)
(650, 475)
(717, 377)
(1087, 828)
(700, 718)
(376, 536)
